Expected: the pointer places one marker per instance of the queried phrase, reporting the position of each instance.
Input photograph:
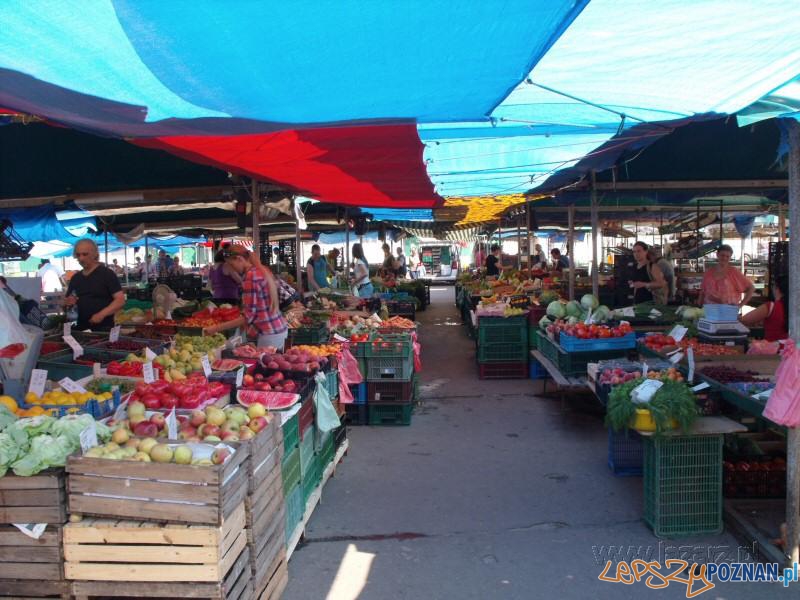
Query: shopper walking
(360, 278)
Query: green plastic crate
(291, 434)
(533, 333)
(327, 451)
(513, 330)
(390, 345)
(362, 367)
(290, 471)
(503, 352)
(307, 451)
(683, 484)
(295, 510)
(390, 369)
(416, 388)
(311, 480)
(303, 336)
(390, 414)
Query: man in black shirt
(492, 262)
(99, 294)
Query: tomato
(189, 402)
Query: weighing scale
(725, 331)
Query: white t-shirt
(51, 281)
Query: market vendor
(646, 279)
(262, 318)
(725, 284)
(360, 279)
(95, 289)
(560, 262)
(772, 314)
(494, 263)
(226, 283)
(317, 270)
(389, 263)
(539, 258)
(662, 295)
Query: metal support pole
(528, 229)
(570, 247)
(793, 433)
(256, 220)
(519, 246)
(594, 217)
(105, 227)
(125, 267)
(146, 270)
(721, 223)
(298, 255)
(782, 222)
(346, 243)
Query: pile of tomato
(127, 368)
(703, 349)
(207, 318)
(659, 341)
(596, 332)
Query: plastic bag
(327, 419)
(417, 354)
(783, 406)
(349, 374)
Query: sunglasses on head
(234, 254)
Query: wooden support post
(595, 263)
(793, 433)
(570, 248)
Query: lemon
(9, 403)
(31, 398)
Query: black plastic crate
(355, 414)
(390, 414)
(390, 392)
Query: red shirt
(775, 326)
(256, 303)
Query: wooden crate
(237, 585)
(129, 554)
(31, 567)
(263, 454)
(265, 504)
(37, 499)
(278, 579)
(157, 492)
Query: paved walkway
(492, 492)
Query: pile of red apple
(294, 359)
(234, 423)
(618, 376)
(193, 392)
(277, 382)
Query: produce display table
(683, 478)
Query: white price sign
(97, 370)
(239, 377)
(676, 358)
(172, 425)
(77, 349)
(644, 369)
(121, 412)
(338, 338)
(148, 372)
(700, 387)
(113, 335)
(70, 386)
(88, 437)
(149, 354)
(678, 332)
(38, 380)
(233, 342)
(690, 359)
(206, 365)
(67, 329)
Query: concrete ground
(492, 492)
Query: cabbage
(572, 320)
(602, 314)
(547, 297)
(556, 310)
(589, 302)
(573, 309)
(33, 426)
(9, 452)
(544, 322)
(6, 417)
(46, 451)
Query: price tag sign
(676, 358)
(77, 349)
(172, 425)
(644, 369)
(700, 387)
(338, 338)
(70, 386)
(239, 377)
(690, 359)
(206, 365)
(149, 355)
(121, 412)
(88, 437)
(97, 370)
(628, 311)
(678, 332)
(38, 379)
(589, 318)
(148, 372)
(113, 335)
(67, 329)
(234, 341)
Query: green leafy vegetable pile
(673, 401)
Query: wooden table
(563, 383)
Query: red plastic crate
(305, 417)
(515, 370)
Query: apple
(183, 455)
(212, 438)
(133, 443)
(147, 444)
(245, 433)
(186, 433)
(120, 436)
(230, 436)
(136, 408)
(256, 410)
(215, 416)
(248, 380)
(145, 429)
(198, 418)
(210, 430)
(161, 453)
(230, 425)
(220, 455)
(258, 423)
(158, 420)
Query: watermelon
(272, 400)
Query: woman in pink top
(724, 283)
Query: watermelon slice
(226, 364)
(272, 400)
